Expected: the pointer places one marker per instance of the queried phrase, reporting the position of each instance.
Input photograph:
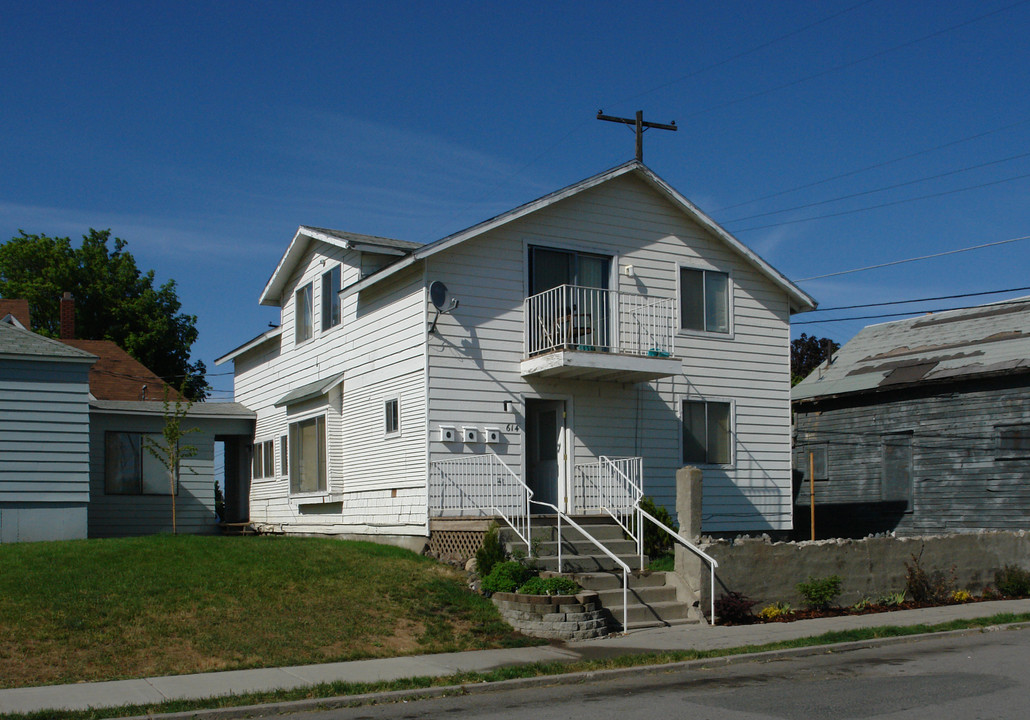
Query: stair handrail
(712, 562)
(602, 548)
(634, 504)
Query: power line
(859, 61)
(926, 299)
(886, 204)
(904, 314)
(882, 189)
(914, 259)
(875, 166)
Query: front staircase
(654, 599)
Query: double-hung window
(704, 300)
(707, 432)
(263, 460)
(331, 298)
(302, 314)
(307, 456)
(131, 469)
(392, 419)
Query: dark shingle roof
(18, 342)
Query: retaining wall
(565, 617)
(768, 571)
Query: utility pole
(640, 126)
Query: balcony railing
(573, 317)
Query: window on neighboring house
(704, 300)
(307, 456)
(302, 314)
(818, 461)
(284, 454)
(331, 298)
(263, 460)
(707, 432)
(130, 468)
(393, 416)
(1013, 442)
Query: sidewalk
(682, 637)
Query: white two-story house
(606, 334)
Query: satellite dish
(438, 295)
(442, 301)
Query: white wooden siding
(474, 359)
(375, 484)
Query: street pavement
(82, 696)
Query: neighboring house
(73, 418)
(609, 332)
(920, 426)
(44, 436)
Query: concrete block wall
(563, 617)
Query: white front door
(546, 457)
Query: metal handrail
(712, 562)
(602, 548)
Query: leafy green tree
(807, 353)
(113, 301)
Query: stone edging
(563, 617)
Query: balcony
(586, 333)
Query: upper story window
(331, 298)
(704, 300)
(302, 314)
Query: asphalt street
(983, 675)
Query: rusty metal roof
(958, 344)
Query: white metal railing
(594, 319)
(712, 562)
(484, 485)
(597, 543)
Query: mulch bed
(810, 614)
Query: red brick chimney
(67, 317)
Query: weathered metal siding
(44, 450)
(960, 481)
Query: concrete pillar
(688, 509)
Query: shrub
(735, 608)
(506, 577)
(961, 596)
(924, 586)
(656, 541)
(1012, 581)
(777, 609)
(820, 592)
(490, 552)
(549, 586)
(891, 598)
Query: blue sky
(205, 133)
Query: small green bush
(656, 541)
(549, 586)
(490, 552)
(819, 592)
(1012, 581)
(506, 577)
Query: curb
(575, 678)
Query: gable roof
(17, 342)
(252, 343)
(800, 300)
(955, 345)
(119, 376)
(338, 238)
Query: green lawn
(105, 609)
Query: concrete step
(660, 613)
(622, 548)
(613, 580)
(639, 596)
(580, 563)
(549, 533)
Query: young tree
(807, 353)
(113, 301)
(170, 451)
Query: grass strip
(530, 670)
